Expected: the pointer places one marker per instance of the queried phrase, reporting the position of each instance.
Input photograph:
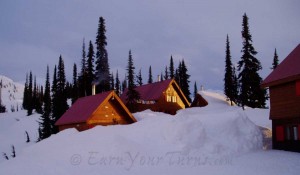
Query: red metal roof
(150, 91)
(82, 109)
(287, 70)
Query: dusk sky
(33, 33)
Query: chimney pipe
(158, 78)
(93, 89)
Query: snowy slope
(217, 139)
(11, 93)
(12, 131)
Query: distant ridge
(11, 94)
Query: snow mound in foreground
(193, 137)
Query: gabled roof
(199, 101)
(288, 70)
(84, 107)
(153, 91)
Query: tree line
(242, 86)
(50, 100)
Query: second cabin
(163, 96)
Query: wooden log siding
(285, 103)
(108, 114)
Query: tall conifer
(102, 66)
(132, 95)
(150, 78)
(275, 60)
(229, 85)
(251, 94)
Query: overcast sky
(33, 33)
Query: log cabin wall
(285, 116)
(285, 103)
(109, 113)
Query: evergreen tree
(83, 74)
(112, 81)
(184, 81)
(230, 90)
(45, 123)
(139, 78)
(118, 90)
(195, 89)
(2, 107)
(166, 73)
(150, 79)
(275, 61)
(102, 66)
(132, 95)
(25, 94)
(124, 84)
(171, 68)
(30, 97)
(75, 93)
(60, 99)
(251, 94)
(90, 68)
(235, 86)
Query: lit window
(174, 99)
(169, 98)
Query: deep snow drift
(217, 139)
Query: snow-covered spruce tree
(230, 90)
(132, 95)
(45, 123)
(275, 60)
(251, 94)
(150, 78)
(102, 66)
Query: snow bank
(216, 139)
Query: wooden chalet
(284, 86)
(199, 101)
(100, 109)
(163, 96)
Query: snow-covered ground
(216, 139)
